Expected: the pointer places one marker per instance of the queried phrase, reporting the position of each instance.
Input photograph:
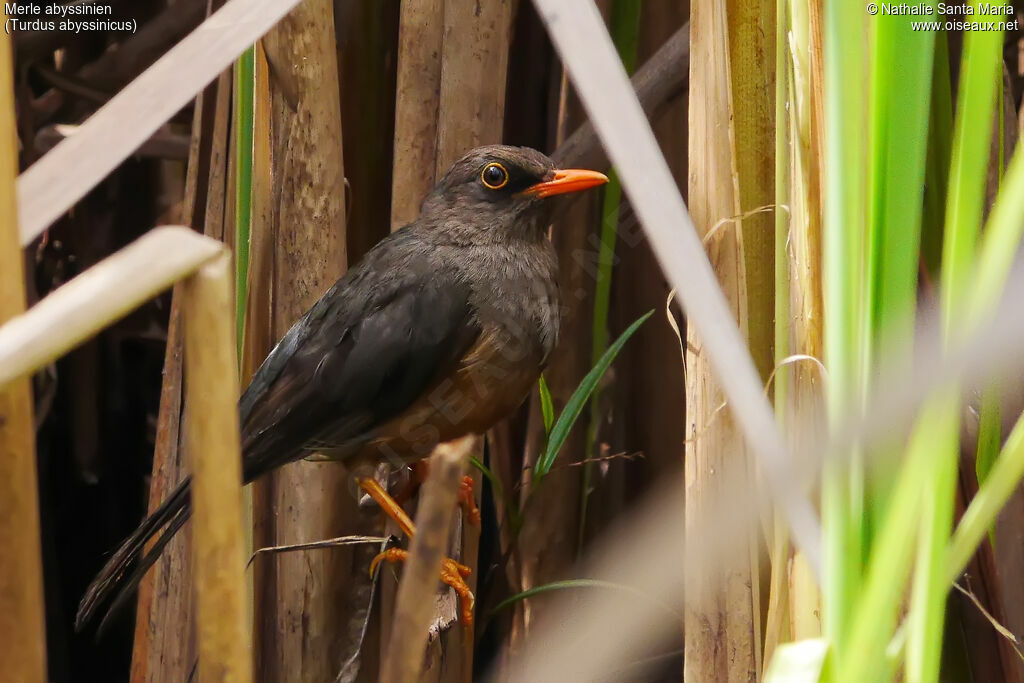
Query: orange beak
(566, 181)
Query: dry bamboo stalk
(471, 108)
(806, 306)
(106, 292)
(46, 190)
(22, 632)
(474, 61)
(751, 40)
(299, 619)
(417, 97)
(214, 451)
(159, 653)
(415, 600)
(721, 640)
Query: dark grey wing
(336, 376)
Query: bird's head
(498, 192)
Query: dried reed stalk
(721, 640)
(417, 97)
(471, 112)
(22, 632)
(101, 295)
(299, 621)
(214, 452)
(416, 591)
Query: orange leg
(452, 573)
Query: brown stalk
(417, 589)
(299, 622)
(720, 637)
(417, 94)
(470, 112)
(164, 611)
(214, 448)
(22, 632)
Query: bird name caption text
(76, 18)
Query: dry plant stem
(470, 112)
(720, 638)
(299, 611)
(164, 610)
(159, 652)
(214, 451)
(22, 632)
(96, 298)
(46, 190)
(417, 97)
(416, 591)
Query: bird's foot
(467, 501)
(453, 574)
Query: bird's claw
(453, 575)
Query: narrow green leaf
(560, 432)
(547, 409)
(244, 81)
(989, 432)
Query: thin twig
(335, 542)
(1002, 630)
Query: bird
(439, 331)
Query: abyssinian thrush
(439, 331)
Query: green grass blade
(843, 288)
(901, 83)
(938, 470)
(244, 82)
(989, 432)
(980, 516)
(936, 179)
(547, 409)
(573, 408)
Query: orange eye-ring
(494, 176)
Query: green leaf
(546, 407)
(244, 82)
(560, 432)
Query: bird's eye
(494, 176)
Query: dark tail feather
(122, 573)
